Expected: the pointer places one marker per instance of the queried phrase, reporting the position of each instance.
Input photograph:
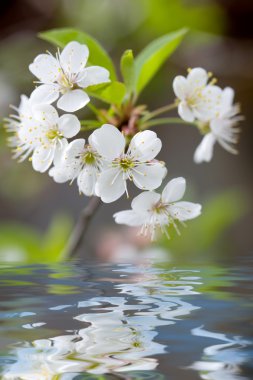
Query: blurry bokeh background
(220, 39)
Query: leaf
(113, 93)
(128, 70)
(151, 58)
(98, 56)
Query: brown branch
(77, 236)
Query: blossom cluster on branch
(121, 148)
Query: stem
(160, 111)
(78, 233)
(165, 120)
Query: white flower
(81, 162)
(137, 164)
(153, 211)
(198, 99)
(66, 76)
(221, 128)
(46, 133)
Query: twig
(76, 238)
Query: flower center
(66, 83)
(126, 163)
(204, 127)
(53, 134)
(159, 208)
(89, 158)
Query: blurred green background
(36, 214)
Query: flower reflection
(221, 361)
(119, 333)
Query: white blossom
(221, 129)
(47, 134)
(137, 164)
(155, 211)
(197, 98)
(66, 76)
(79, 161)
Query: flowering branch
(121, 148)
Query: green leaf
(151, 58)
(113, 93)
(98, 56)
(128, 70)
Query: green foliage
(128, 70)
(152, 57)
(20, 243)
(113, 93)
(203, 233)
(98, 56)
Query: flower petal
(72, 160)
(204, 151)
(87, 180)
(209, 104)
(185, 112)
(73, 100)
(92, 76)
(110, 185)
(46, 93)
(108, 141)
(74, 57)
(145, 201)
(46, 115)
(69, 125)
(45, 67)
(60, 152)
(184, 210)
(197, 77)
(129, 217)
(145, 146)
(149, 177)
(180, 87)
(42, 158)
(59, 174)
(174, 190)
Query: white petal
(45, 67)
(87, 180)
(228, 96)
(185, 112)
(42, 159)
(129, 217)
(174, 190)
(69, 125)
(184, 210)
(180, 87)
(73, 100)
(209, 104)
(145, 146)
(145, 202)
(92, 76)
(108, 141)
(74, 57)
(204, 151)
(46, 115)
(72, 157)
(197, 77)
(110, 185)
(46, 93)
(60, 151)
(149, 177)
(59, 174)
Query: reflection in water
(221, 361)
(119, 331)
(76, 321)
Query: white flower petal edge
(155, 212)
(137, 164)
(66, 76)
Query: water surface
(126, 321)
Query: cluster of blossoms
(110, 159)
(211, 108)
